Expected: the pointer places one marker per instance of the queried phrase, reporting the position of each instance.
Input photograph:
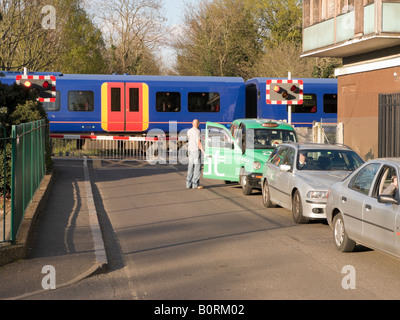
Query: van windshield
(268, 138)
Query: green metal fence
(28, 167)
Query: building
(366, 34)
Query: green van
(238, 154)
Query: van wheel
(246, 189)
(297, 209)
(266, 196)
(342, 241)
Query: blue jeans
(194, 169)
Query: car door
(353, 199)
(379, 219)
(276, 177)
(220, 154)
(285, 177)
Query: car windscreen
(343, 160)
(268, 138)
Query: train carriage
(125, 104)
(134, 105)
(319, 102)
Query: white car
(297, 177)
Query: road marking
(99, 249)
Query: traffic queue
(360, 200)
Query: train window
(330, 103)
(168, 101)
(115, 99)
(309, 104)
(134, 99)
(204, 102)
(80, 101)
(53, 106)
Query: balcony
(343, 28)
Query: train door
(125, 106)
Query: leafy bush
(17, 105)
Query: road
(166, 242)
(217, 243)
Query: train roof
(127, 77)
(305, 80)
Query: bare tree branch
(134, 32)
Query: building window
(204, 102)
(327, 9)
(345, 6)
(316, 11)
(80, 101)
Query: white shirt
(193, 139)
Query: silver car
(364, 208)
(297, 177)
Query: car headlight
(317, 194)
(256, 165)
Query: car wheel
(342, 241)
(246, 189)
(266, 196)
(297, 209)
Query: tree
(280, 25)
(82, 44)
(219, 39)
(49, 35)
(24, 42)
(133, 32)
(280, 21)
(325, 67)
(278, 60)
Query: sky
(174, 12)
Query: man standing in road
(194, 149)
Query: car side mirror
(387, 198)
(285, 167)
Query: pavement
(60, 241)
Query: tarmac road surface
(166, 242)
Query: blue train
(319, 102)
(126, 104)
